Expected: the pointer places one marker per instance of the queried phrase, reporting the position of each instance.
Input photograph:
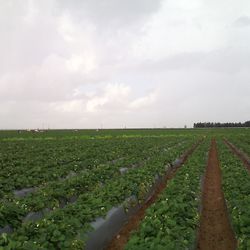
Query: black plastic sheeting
(105, 229)
(7, 229)
(24, 192)
(35, 216)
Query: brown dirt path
(120, 240)
(243, 157)
(215, 231)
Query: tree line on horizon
(222, 125)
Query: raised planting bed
(236, 186)
(59, 193)
(70, 226)
(172, 221)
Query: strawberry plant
(73, 221)
(172, 221)
(236, 186)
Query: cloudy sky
(116, 63)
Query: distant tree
(247, 124)
(221, 125)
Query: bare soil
(215, 232)
(238, 153)
(120, 240)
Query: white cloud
(66, 28)
(77, 62)
(72, 106)
(136, 62)
(143, 102)
(114, 94)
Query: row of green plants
(93, 133)
(33, 163)
(67, 228)
(171, 222)
(242, 142)
(236, 187)
(58, 193)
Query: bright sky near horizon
(117, 63)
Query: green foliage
(98, 188)
(172, 221)
(236, 187)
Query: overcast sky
(116, 63)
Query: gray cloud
(228, 60)
(114, 13)
(135, 63)
(243, 21)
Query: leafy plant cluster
(242, 142)
(33, 163)
(236, 187)
(26, 164)
(66, 228)
(57, 194)
(172, 221)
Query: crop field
(125, 189)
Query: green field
(54, 184)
